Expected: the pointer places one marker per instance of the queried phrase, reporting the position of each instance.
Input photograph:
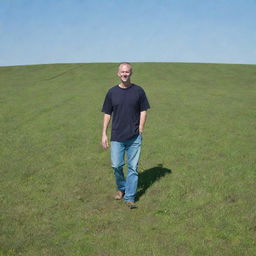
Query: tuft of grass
(197, 170)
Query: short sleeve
(144, 105)
(107, 105)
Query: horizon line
(116, 62)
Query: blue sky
(60, 31)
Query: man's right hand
(104, 141)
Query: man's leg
(133, 154)
(117, 159)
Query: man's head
(124, 72)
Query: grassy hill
(196, 194)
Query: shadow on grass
(148, 177)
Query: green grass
(197, 171)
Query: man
(127, 104)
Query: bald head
(126, 65)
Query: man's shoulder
(114, 88)
(138, 88)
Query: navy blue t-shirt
(125, 105)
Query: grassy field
(197, 187)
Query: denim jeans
(132, 149)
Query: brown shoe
(131, 205)
(119, 195)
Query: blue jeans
(132, 149)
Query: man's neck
(125, 85)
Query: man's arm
(104, 140)
(143, 118)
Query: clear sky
(60, 31)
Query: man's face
(124, 73)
